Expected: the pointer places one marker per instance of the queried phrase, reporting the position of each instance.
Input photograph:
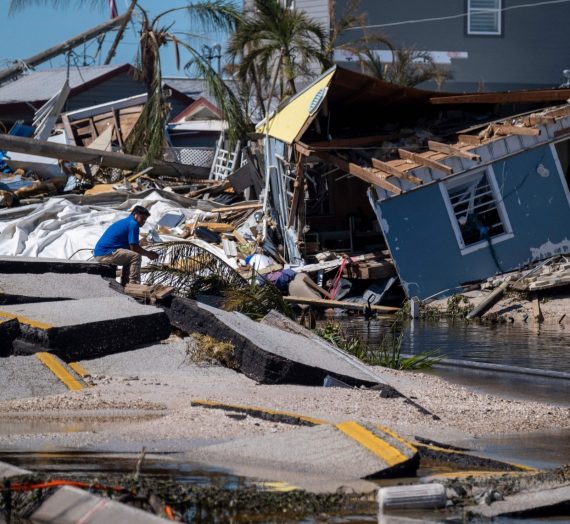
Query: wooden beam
(241, 207)
(533, 120)
(298, 189)
(118, 130)
(85, 155)
(423, 161)
(339, 304)
(303, 149)
(473, 140)
(363, 173)
(541, 95)
(504, 130)
(452, 150)
(560, 112)
(392, 171)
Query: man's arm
(142, 251)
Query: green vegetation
(388, 354)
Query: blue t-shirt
(118, 235)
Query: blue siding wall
(418, 228)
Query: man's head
(140, 214)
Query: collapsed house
(462, 187)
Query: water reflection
(507, 344)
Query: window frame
(498, 10)
(507, 234)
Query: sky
(35, 29)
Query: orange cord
(56, 483)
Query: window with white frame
(477, 212)
(484, 17)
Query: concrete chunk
(267, 354)
(9, 330)
(72, 505)
(89, 327)
(7, 471)
(23, 288)
(53, 265)
(532, 502)
(348, 450)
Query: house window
(484, 17)
(476, 210)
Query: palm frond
(191, 269)
(210, 14)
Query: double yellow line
(61, 370)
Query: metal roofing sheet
(42, 85)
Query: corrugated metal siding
(419, 231)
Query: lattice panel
(192, 156)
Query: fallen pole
(32, 61)
(490, 301)
(339, 304)
(86, 155)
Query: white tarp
(61, 229)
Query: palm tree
(279, 43)
(146, 138)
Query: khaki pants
(130, 262)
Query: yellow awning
(292, 119)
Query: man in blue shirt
(119, 245)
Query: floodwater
(544, 349)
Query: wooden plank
(118, 131)
(490, 301)
(505, 130)
(68, 130)
(559, 113)
(542, 95)
(339, 304)
(392, 171)
(452, 150)
(424, 161)
(303, 149)
(537, 312)
(370, 271)
(298, 191)
(533, 120)
(363, 173)
(469, 139)
(241, 207)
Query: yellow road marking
(58, 369)
(249, 409)
(26, 320)
(397, 437)
(376, 445)
(82, 372)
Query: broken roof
(352, 101)
(42, 85)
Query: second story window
(484, 17)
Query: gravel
(161, 380)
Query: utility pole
(22, 65)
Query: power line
(460, 15)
